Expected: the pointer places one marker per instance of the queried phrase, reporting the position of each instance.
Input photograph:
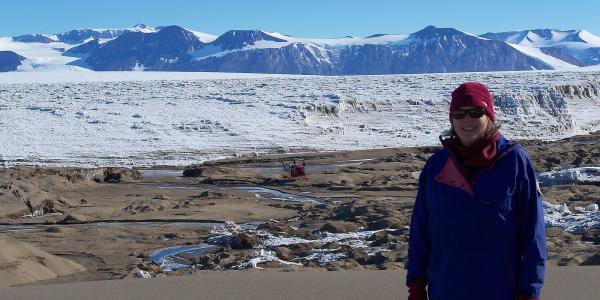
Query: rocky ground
(357, 217)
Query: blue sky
(302, 18)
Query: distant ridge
(429, 50)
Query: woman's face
(470, 130)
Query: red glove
(522, 296)
(416, 290)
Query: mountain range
(173, 48)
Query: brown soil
(371, 189)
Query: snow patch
(570, 176)
(582, 220)
(554, 62)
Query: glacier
(91, 119)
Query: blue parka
(483, 239)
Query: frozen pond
(170, 258)
(154, 173)
(261, 192)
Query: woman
(477, 228)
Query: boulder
(386, 223)
(284, 253)
(382, 238)
(339, 227)
(244, 240)
(72, 219)
(379, 258)
(193, 171)
(594, 260)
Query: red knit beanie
(473, 94)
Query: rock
(351, 210)
(53, 229)
(382, 238)
(284, 253)
(553, 231)
(401, 248)
(215, 195)
(386, 223)
(244, 240)
(359, 255)
(302, 250)
(276, 228)
(170, 235)
(143, 274)
(332, 245)
(379, 258)
(193, 171)
(96, 175)
(392, 266)
(592, 236)
(346, 264)
(48, 207)
(594, 260)
(206, 262)
(117, 175)
(570, 261)
(223, 255)
(161, 197)
(339, 227)
(155, 269)
(71, 219)
(146, 206)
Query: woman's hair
(492, 128)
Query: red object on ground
(297, 170)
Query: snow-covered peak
(345, 41)
(548, 38)
(238, 39)
(536, 53)
(204, 37)
(572, 47)
(142, 28)
(590, 38)
(36, 38)
(435, 32)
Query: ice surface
(583, 219)
(570, 176)
(169, 258)
(262, 256)
(277, 195)
(145, 119)
(223, 235)
(143, 274)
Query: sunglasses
(474, 113)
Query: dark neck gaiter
(476, 156)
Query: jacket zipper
(472, 182)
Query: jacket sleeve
(418, 240)
(532, 233)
